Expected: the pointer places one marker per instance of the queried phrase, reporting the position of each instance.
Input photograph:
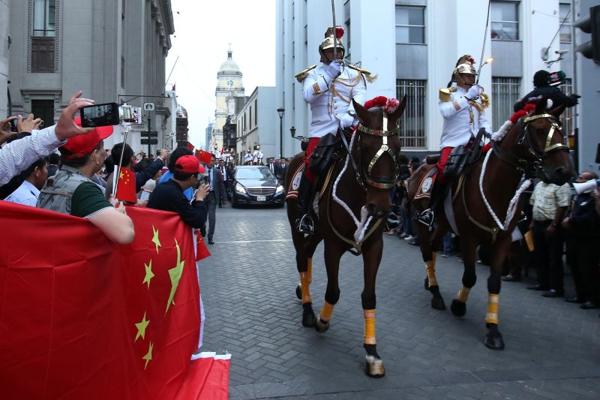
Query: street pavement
(552, 347)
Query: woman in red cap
(72, 190)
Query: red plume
(379, 101)
(339, 32)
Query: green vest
(57, 194)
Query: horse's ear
(398, 113)
(362, 112)
(558, 110)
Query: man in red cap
(168, 196)
(72, 190)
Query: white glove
(332, 70)
(474, 92)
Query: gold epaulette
(301, 76)
(368, 75)
(446, 93)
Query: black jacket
(169, 196)
(548, 92)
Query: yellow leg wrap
(370, 327)
(430, 268)
(492, 309)
(463, 294)
(305, 286)
(309, 270)
(326, 312)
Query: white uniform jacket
(460, 125)
(332, 102)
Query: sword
(334, 30)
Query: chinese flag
(126, 186)
(84, 318)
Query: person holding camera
(583, 225)
(17, 156)
(72, 191)
(169, 196)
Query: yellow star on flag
(148, 356)
(175, 275)
(149, 273)
(155, 238)
(141, 328)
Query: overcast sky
(203, 31)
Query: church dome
(229, 67)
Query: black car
(256, 185)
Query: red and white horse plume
(389, 105)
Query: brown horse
(352, 204)
(481, 203)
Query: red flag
(84, 318)
(126, 186)
(202, 251)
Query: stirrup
(306, 224)
(427, 217)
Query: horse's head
(376, 151)
(540, 144)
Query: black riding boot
(305, 224)
(427, 216)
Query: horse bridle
(379, 183)
(534, 165)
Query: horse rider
(329, 89)
(462, 104)
(546, 86)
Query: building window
(505, 20)
(410, 25)
(505, 93)
(412, 122)
(569, 114)
(43, 109)
(44, 18)
(565, 21)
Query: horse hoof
(299, 292)
(308, 316)
(493, 339)
(438, 303)
(374, 367)
(458, 308)
(321, 326)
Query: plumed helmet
(465, 65)
(333, 34)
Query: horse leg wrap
(305, 285)
(370, 327)
(463, 294)
(326, 311)
(492, 309)
(430, 268)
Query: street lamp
(280, 111)
(293, 131)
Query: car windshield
(261, 173)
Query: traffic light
(591, 49)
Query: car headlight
(240, 189)
(279, 190)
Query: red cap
(81, 145)
(189, 165)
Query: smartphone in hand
(99, 115)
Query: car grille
(262, 191)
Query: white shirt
(458, 126)
(26, 194)
(331, 102)
(17, 156)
